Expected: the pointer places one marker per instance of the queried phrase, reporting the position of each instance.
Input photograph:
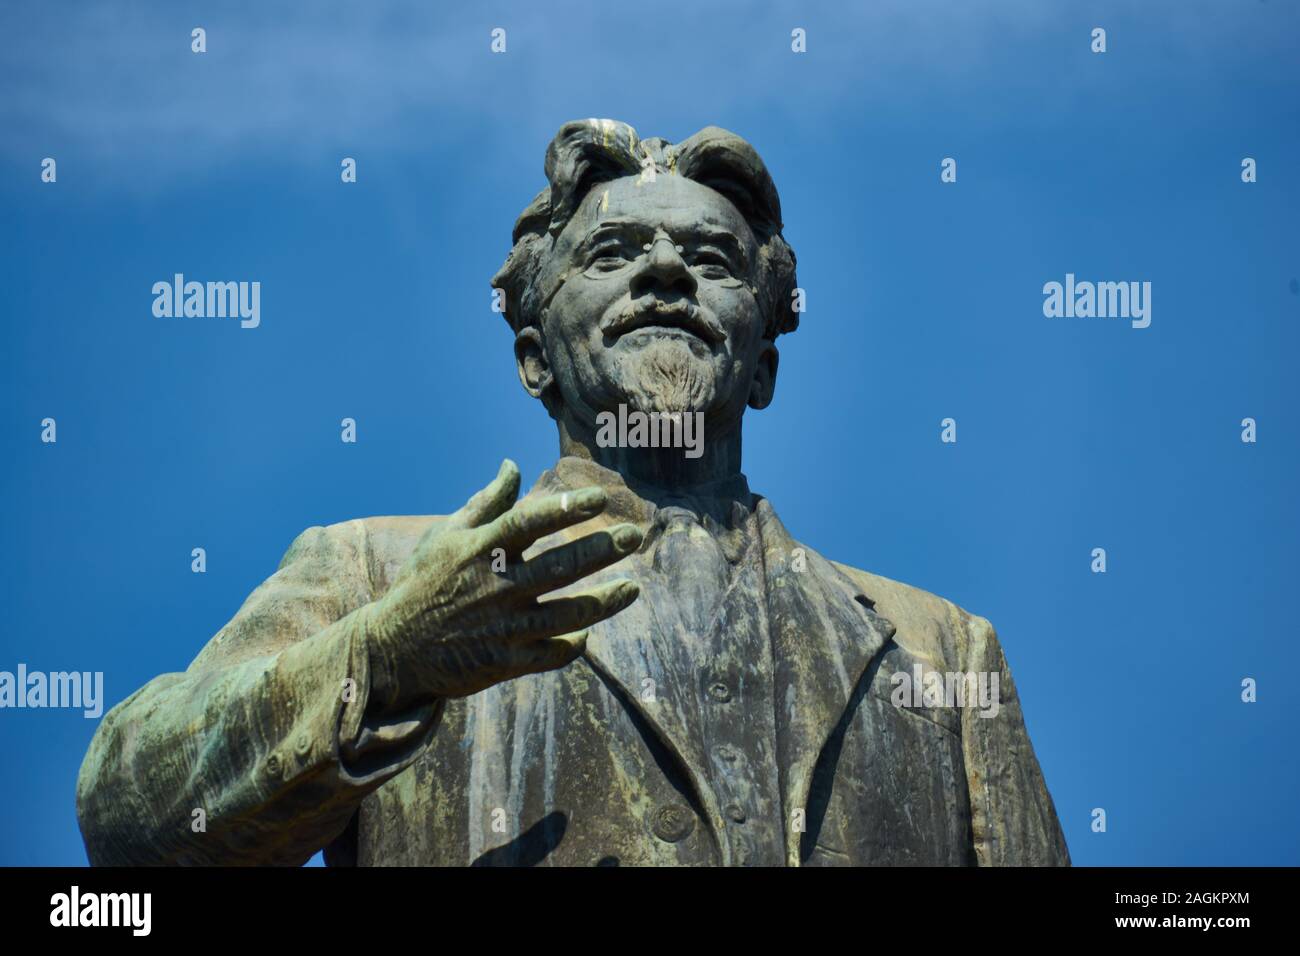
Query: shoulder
(378, 544)
(929, 626)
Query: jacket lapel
(825, 635)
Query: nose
(663, 270)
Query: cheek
(572, 334)
(739, 311)
(583, 302)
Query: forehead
(680, 206)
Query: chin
(665, 375)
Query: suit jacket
(268, 733)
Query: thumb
(551, 653)
(494, 500)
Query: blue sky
(924, 302)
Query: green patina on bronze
(635, 663)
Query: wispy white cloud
(120, 81)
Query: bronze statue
(634, 664)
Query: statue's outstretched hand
(462, 613)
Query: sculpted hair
(587, 152)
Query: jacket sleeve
(1013, 819)
(261, 751)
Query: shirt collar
(722, 506)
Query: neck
(666, 468)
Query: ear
(530, 357)
(763, 386)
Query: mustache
(650, 310)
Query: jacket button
(720, 692)
(673, 822)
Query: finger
(551, 653)
(530, 520)
(580, 611)
(575, 560)
(495, 499)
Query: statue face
(659, 310)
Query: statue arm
(261, 751)
(1013, 819)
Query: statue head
(650, 275)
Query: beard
(665, 375)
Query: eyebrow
(700, 235)
(610, 225)
(721, 238)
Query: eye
(608, 256)
(711, 265)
